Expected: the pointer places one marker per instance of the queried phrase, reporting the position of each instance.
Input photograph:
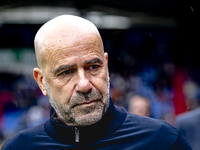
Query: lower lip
(89, 103)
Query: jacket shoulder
(151, 124)
(148, 132)
(188, 117)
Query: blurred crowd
(22, 105)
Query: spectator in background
(189, 125)
(139, 105)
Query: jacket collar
(109, 123)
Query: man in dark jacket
(73, 72)
(189, 125)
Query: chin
(89, 119)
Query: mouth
(87, 103)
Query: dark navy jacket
(117, 130)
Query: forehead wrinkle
(49, 55)
(69, 51)
(91, 42)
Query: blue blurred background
(152, 46)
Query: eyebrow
(63, 67)
(95, 60)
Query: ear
(38, 75)
(106, 57)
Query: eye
(93, 67)
(67, 72)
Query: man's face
(140, 106)
(76, 80)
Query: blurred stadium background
(152, 45)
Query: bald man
(73, 72)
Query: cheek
(101, 83)
(61, 91)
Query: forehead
(64, 50)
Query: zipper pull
(76, 134)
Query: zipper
(76, 134)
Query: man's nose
(83, 83)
